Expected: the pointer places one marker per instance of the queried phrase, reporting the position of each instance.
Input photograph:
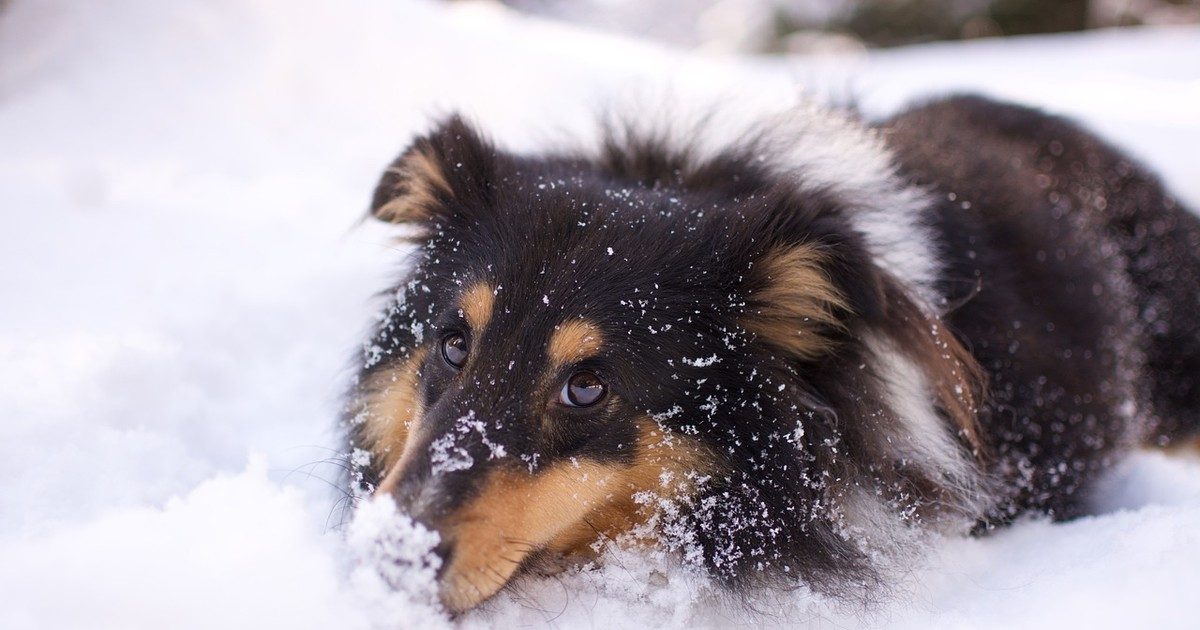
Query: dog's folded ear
(793, 302)
(802, 292)
(450, 168)
(811, 277)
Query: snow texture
(185, 287)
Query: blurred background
(808, 26)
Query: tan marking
(574, 341)
(667, 464)
(476, 305)
(798, 303)
(563, 508)
(959, 383)
(515, 512)
(1188, 446)
(410, 187)
(393, 411)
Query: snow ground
(184, 287)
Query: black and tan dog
(775, 348)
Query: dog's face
(519, 424)
(571, 346)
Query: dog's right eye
(454, 350)
(583, 389)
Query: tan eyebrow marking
(477, 303)
(573, 341)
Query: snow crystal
(702, 362)
(675, 410)
(447, 456)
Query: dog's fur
(818, 338)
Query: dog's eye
(454, 350)
(583, 389)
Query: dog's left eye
(583, 389)
(454, 350)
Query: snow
(701, 361)
(185, 287)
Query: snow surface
(185, 286)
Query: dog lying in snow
(773, 348)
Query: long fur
(940, 322)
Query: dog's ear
(794, 301)
(448, 169)
(810, 279)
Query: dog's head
(577, 339)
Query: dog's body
(777, 352)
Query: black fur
(1067, 272)
(1081, 287)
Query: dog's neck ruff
(821, 149)
(829, 150)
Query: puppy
(777, 349)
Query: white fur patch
(830, 150)
(923, 438)
(820, 149)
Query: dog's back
(1074, 278)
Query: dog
(779, 349)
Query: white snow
(185, 287)
(701, 361)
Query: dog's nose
(419, 497)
